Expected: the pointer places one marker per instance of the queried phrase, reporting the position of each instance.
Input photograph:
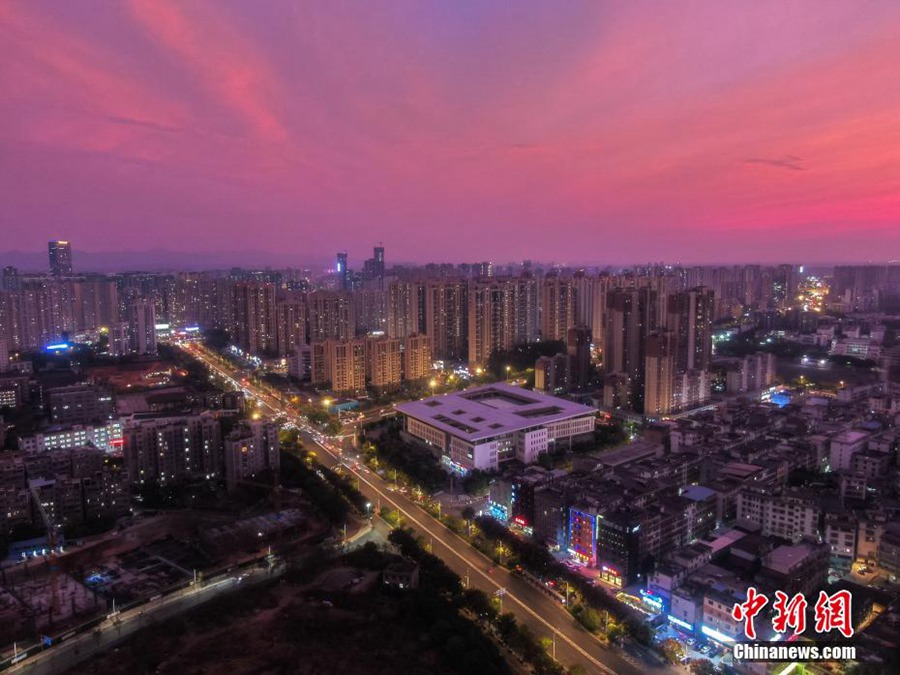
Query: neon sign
(679, 622)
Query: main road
(83, 644)
(544, 615)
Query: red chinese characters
(789, 613)
(746, 611)
(833, 613)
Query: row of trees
(413, 463)
(517, 637)
(331, 494)
(537, 560)
(522, 356)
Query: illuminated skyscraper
(343, 273)
(60, 258)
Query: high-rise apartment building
(503, 312)
(384, 361)
(631, 315)
(167, 449)
(417, 359)
(405, 308)
(578, 349)
(290, 323)
(253, 327)
(557, 307)
(318, 363)
(332, 316)
(446, 318)
(250, 449)
(370, 311)
(96, 302)
(552, 374)
(346, 365)
(60, 258)
(659, 375)
(143, 327)
(119, 336)
(81, 404)
(690, 318)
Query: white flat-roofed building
(482, 427)
(844, 446)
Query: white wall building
(482, 427)
(844, 446)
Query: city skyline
(600, 133)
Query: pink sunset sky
(594, 131)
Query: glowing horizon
(577, 131)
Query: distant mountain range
(158, 260)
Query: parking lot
(695, 648)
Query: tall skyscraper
(379, 261)
(373, 270)
(343, 273)
(60, 258)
